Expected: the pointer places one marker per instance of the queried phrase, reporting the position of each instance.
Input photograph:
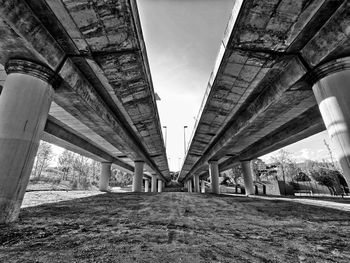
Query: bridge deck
(259, 96)
(106, 95)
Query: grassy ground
(176, 227)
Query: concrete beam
(42, 33)
(332, 40)
(293, 71)
(305, 125)
(261, 79)
(32, 40)
(59, 134)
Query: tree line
(285, 168)
(77, 171)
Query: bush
(325, 176)
(85, 184)
(302, 177)
(74, 184)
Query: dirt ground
(36, 198)
(176, 227)
(337, 199)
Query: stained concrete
(333, 96)
(106, 95)
(105, 176)
(248, 177)
(24, 106)
(259, 95)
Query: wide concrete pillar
(196, 183)
(24, 105)
(189, 186)
(214, 176)
(154, 184)
(138, 177)
(160, 186)
(203, 186)
(332, 91)
(105, 176)
(147, 185)
(247, 170)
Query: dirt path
(36, 198)
(339, 204)
(176, 227)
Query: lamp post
(185, 139)
(165, 134)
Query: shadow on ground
(176, 227)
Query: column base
(9, 210)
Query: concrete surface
(106, 96)
(259, 97)
(24, 106)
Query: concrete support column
(154, 184)
(146, 185)
(189, 186)
(24, 105)
(105, 176)
(332, 92)
(160, 186)
(214, 176)
(203, 186)
(248, 172)
(138, 175)
(196, 183)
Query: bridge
(76, 74)
(282, 74)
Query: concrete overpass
(75, 73)
(281, 75)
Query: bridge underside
(106, 99)
(76, 74)
(259, 97)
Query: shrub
(302, 177)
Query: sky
(311, 148)
(182, 38)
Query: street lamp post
(185, 139)
(165, 135)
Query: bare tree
(43, 157)
(258, 166)
(283, 159)
(334, 163)
(235, 174)
(65, 163)
(95, 171)
(120, 178)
